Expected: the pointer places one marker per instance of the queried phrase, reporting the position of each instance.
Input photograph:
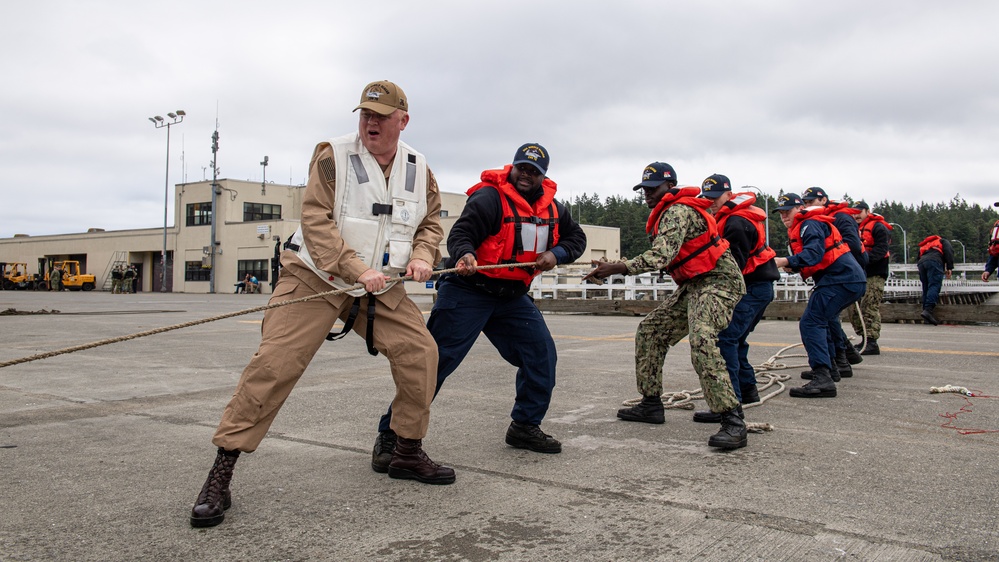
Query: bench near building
(255, 219)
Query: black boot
(707, 416)
(927, 315)
(821, 385)
(215, 498)
(750, 394)
(381, 455)
(833, 372)
(528, 436)
(649, 410)
(843, 364)
(871, 348)
(852, 355)
(409, 462)
(732, 434)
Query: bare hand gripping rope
(82, 347)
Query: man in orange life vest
(820, 252)
(992, 263)
(511, 216)
(875, 233)
(686, 244)
(842, 214)
(936, 261)
(743, 225)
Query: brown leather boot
(409, 462)
(215, 498)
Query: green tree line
(968, 226)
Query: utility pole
(215, 210)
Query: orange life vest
(834, 245)
(699, 255)
(867, 230)
(525, 232)
(994, 240)
(741, 205)
(930, 243)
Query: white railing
(566, 282)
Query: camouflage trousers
(701, 308)
(870, 309)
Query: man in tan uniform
(371, 210)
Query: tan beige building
(253, 219)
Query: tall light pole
(964, 254)
(263, 183)
(905, 247)
(159, 123)
(766, 205)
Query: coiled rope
(109, 341)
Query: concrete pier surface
(105, 450)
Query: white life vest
(377, 221)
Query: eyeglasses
(528, 169)
(367, 115)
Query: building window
(443, 213)
(194, 272)
(261, 212)
(256, 268)
(199, 214)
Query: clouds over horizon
(888, 101)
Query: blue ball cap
(656, 174)
(534, 154)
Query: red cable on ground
(966, 409)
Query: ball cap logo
(533, 152)
(650, 171)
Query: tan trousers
(291, 336)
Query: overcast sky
(888, 100)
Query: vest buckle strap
(379, 209)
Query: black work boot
(927, 315)
(871, 348)
(732, 434)
(821, 385)
(649, 410)
(381, 455)
(409, 462)
(852, 355)
(833, 372)
(750, 394)
(528, 436)
(707, 416)
(843, 364)
(215, 498)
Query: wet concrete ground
(105, 451)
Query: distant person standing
(936, 261)
(875, 233)
(117, 276)
(129, 279)
(55, 279)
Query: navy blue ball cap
(813, 193)
(656, 174)
(715, 185)
(788, 201)
(534, 154)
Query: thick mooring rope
(109, 341)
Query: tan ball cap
(383, 97)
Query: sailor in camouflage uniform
(686, 244)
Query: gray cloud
(890, 100)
